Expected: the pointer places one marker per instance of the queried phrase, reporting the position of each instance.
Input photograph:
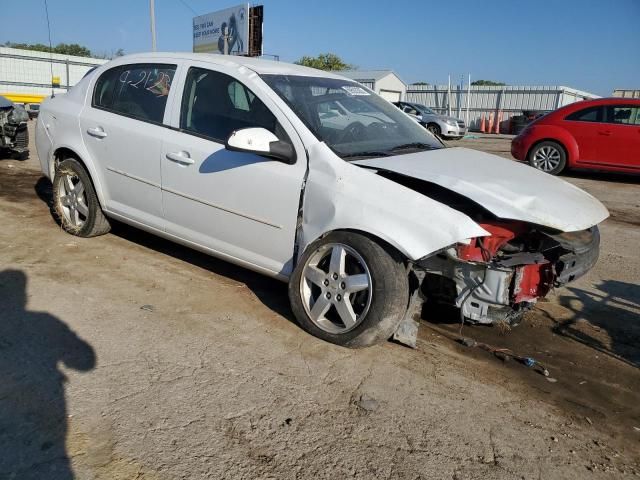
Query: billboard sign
(225, 31)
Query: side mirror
(261, 141)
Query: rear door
(122, 129)
(585, 126)
(242, 206)
(620, 143)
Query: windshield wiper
(412, 146)
(365, 154)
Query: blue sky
(586, 44)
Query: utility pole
(152, 13)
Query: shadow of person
(33, 418)
(612, 309)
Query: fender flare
(89, 166)
(553, 133)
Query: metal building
(626, 93)
(509, 99)
(384, 82)
(27, 76)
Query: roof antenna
(46, 9)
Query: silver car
(441, 126)
(315, 180)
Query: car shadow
(33, 413)
(272, 293)
(615, 177)
(606, 318)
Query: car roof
(604, 101)
(258, 65)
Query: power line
(46, 9)
(183, 2)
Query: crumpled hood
(506, 188)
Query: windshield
(351, 120)
(35, 107)
(424, 109)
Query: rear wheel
(349, 290)
(75, 201)
(549, 157)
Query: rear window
(591, 114)
(139, 91)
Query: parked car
(14, 135)
(238, 158)
(33, 109)
(442, 126)
(602, 134)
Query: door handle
(97, 132)
(181, 157)
(606, 133)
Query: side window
(591, 114)
(215, 105)
(103, 91)
(139, 91)
(623, 114)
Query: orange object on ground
(490, 126)
(482, 127)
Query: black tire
(541, 164)
(389, 291)
(22, 156)
(94, 223)
(435, 129)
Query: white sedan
(244, 159)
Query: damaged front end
(497, 278)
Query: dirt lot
(128, 357)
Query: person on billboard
(229, 41)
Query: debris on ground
(367, 403)
(505, 354)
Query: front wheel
(434, 128)
(349, 290)
(549, 157)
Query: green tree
(61, 48)
(420, 83)
(487, 83)
(325, 61)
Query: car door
(585, 126)
(242, 206)
(620, 136)
(122, 129)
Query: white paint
(244, 208)
(341, 195)
(252, 139)
(506, 188)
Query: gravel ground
(128, 357)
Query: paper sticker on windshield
(353, 90)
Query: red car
(601, 134)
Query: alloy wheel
(546, 158)
(336, 288)
(73, 200)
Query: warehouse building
(27, 76)
(507, 100)
(626, 93)
(384, 82)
